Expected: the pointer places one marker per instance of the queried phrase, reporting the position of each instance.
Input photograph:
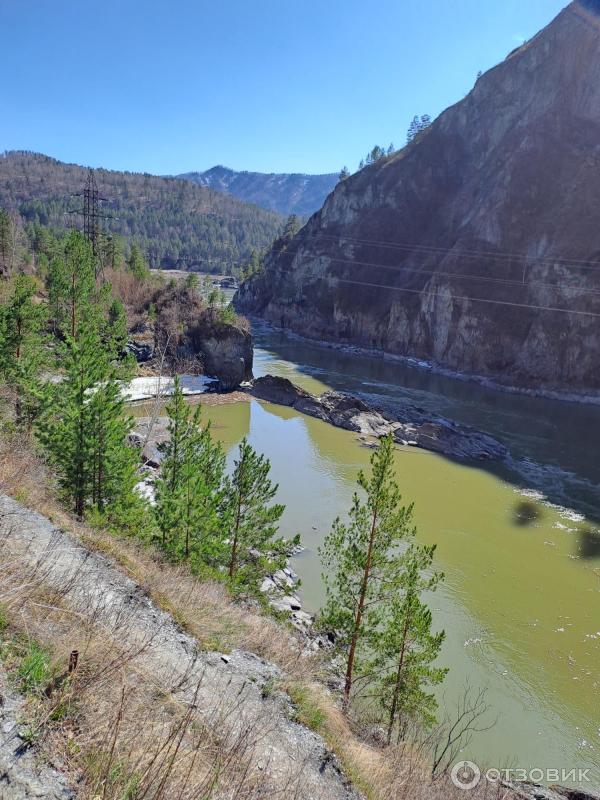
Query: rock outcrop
(226, 352)
(409, 424)
(477, 246)
(23, 776)
(288, 760)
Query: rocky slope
(477, 246)
(285, 193)
(288, 760)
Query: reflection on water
(553, 444)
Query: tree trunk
(398, 684)
(359, 613)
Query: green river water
(521, 600)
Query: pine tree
(345, 173)
(136, 263)
(5, 241)
(253, 523)
(407, 648)
(363, 565)
(21, 348)
(84, 429)
(189, 490)
(71, 284)
(116, 328)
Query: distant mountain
(476, 246)
(177, 223)
(287, 194)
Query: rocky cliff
(477, 246)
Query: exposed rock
(534, 791)
(409, 424)
(457, 248)
(287, 758)
(226, 352)
(23, 774)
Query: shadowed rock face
(454, 248)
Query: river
(521, 599)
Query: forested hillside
(285, 193)
(175, 222)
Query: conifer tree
(136, 263)
(21, 348)
(344, 173)
(189, 490)
(252, 522)
(408, 649)
(85, 430)
(71, 284)
(5, 241)
(363, 564)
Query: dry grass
(116, 733)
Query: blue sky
(167, 86)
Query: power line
(462, 276)
(430, 293)
(501, 255)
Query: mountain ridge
(286, 193)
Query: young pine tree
(252, 522)
(408, 649)
(84, 429)
(189, 490)
(363, 565)
(71, 284)
(22, 348)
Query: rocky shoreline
(425, 365)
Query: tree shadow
(589, 543)
(525, 513)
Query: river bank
(260, 326)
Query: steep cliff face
(478, 245)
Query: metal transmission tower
(91, 216)
(91, 212)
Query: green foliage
(6, 241)
(71, 284)
(344, 173)
(84, 429)
(375, 575)
(34, 671)
(192, 282)
(252, 522)
(136, 263)
(406, 648)
(306, 711)
(363, 562)
(189, 491)
(22, 348)
(174, 221)
(417, 125)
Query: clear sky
(168, 86)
